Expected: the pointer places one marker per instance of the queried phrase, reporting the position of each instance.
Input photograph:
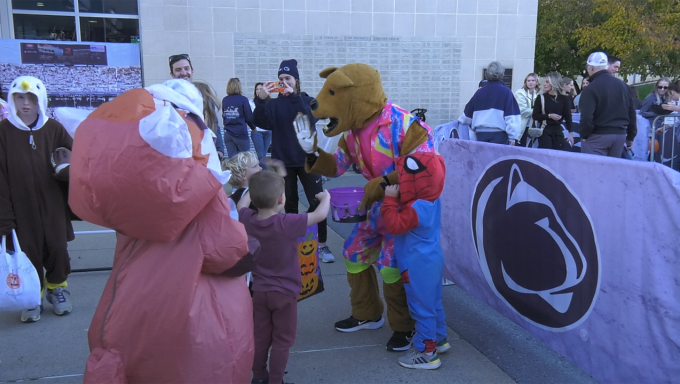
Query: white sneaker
(60, 300)
(31, 315)
(419, 360)
(325, 254)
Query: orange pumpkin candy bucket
(308, 256)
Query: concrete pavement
(320, 354)
(54, 350)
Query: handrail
(674, 125)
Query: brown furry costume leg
(364, 295)
(397, 308)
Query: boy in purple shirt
(276, 274)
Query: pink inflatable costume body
(146, 169)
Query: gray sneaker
(325, 254)
(60, 300)
(419, 360)
(31, 315)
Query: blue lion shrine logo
(536, 243)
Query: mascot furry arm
(352, 98)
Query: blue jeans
(500, 137)
(234, 145)
(261, 141)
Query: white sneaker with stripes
(419, 360)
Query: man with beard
(181, 68)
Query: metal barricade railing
(664, 140)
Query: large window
(44, 27)
(127, 7)
(44, 5)
(108, 30)
(110, 21)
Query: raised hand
(306, 134)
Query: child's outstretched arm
(397, 221)
(244, 202)
(321, 212)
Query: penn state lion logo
(536, 243)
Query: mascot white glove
(305, 134)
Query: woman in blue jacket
(237, 117)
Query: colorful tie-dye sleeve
(343, 161)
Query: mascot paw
(373, 192)
(305, 134)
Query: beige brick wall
(502, 30)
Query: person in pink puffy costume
(173, 309)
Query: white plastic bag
(19, 283)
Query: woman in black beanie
(277, 115)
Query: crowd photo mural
(81, 75)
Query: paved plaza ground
(486, 348)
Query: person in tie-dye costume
(375, 132)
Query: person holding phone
(277, 115)
(652, 105)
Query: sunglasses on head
(661, 87)
(179, 57)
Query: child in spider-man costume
(412, 214)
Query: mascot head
(27, 84)
(351, 97)
(421, 176)
(144, 163)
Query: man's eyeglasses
(661, 87)
(181, 56)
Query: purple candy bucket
(345, 204)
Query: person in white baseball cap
(607, 123)
(597, 59)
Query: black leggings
(312, 185)
(553, 138)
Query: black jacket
(560, 105)
(277, 115)
(607, 108)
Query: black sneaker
(352, 325)
(400, 341)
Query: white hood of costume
(181, 93)
(166, 131)
(27, 84)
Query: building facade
(431, 53)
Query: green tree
(557, 45)
(643, 33)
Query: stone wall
(478, 31)
(417, 72)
